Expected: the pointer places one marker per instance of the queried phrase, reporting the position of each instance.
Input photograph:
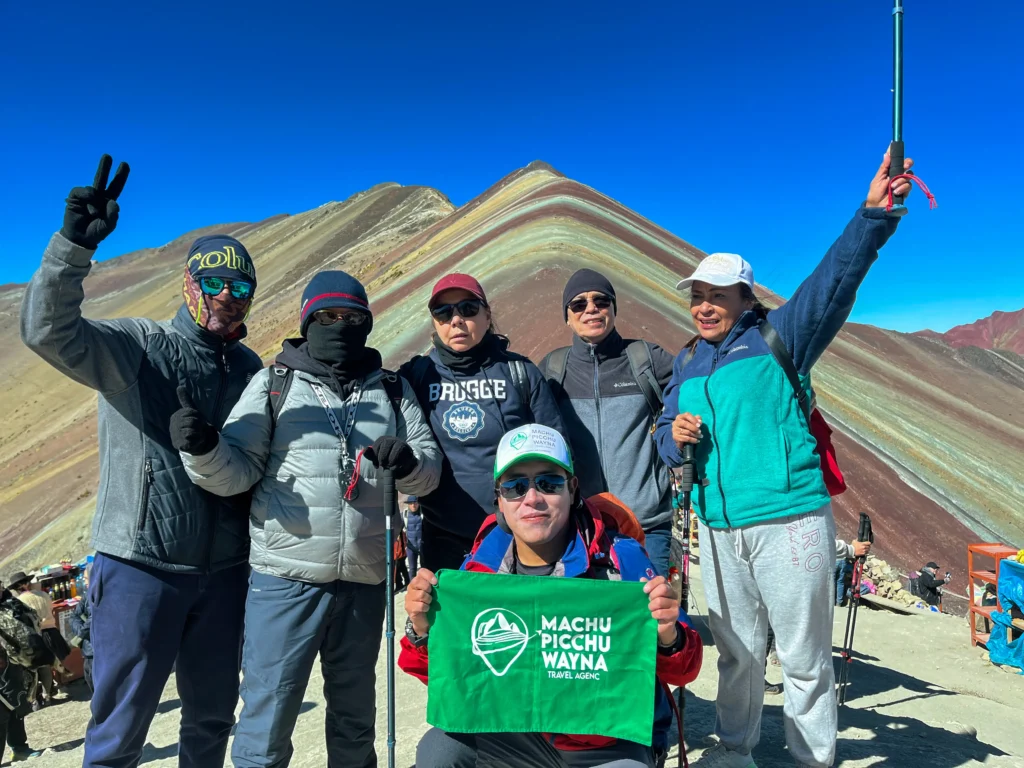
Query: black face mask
(339, 345)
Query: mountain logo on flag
(499, 637)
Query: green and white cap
(531, 442)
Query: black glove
(190, 432)
(91, 212)
(392, 453)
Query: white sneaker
(721, 757)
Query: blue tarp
(1011, 594)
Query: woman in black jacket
(472, 390)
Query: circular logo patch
(463, 421)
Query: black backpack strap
(281, 378)
(642, 365)
(393, 386)
(521, 381)
(555, 364)
(785, 360)
(420, 367)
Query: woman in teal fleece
(766, 528)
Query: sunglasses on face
(579, 306)
(212, 286)
(330, 317)
(518, 487)
(466, 309)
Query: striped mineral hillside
(931, 438)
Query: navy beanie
(582, 281)
(221, 256)
(328, 290)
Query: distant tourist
(472, 389)
(929, 584)
(170, 571)
(17, 675)
(81, 625)
(846, 553)
(414, 534)
(761, 484)
(31, 595)
(309, 438)
(609, 390)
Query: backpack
(641, 364)
(517, 372)
(625, 521)
(20, 637)
(913, 582)
(281, 377)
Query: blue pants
(142, 620)
(658, 541)
(843, 567)
(287, 623)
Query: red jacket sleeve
(413, 659)
(678, 669)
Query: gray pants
(438, 749)
(777, 573)
(286, 624)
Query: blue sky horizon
(754, 131)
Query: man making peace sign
(169, 581)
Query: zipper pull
(149, 470)
(224, 360)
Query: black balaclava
(338, 346)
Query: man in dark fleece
(170, 576)
(606, 410)
(930, 585)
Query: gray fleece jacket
(147, 510)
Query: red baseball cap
(457, 280)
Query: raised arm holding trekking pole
(169, 578)
(766, 528)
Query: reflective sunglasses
(579, 306)
(466, 308)
(516, 488)
(330, 317)
(212, 286)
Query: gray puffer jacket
(147, 510)
(301, 526)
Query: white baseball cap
(720, 269)
(530, 442)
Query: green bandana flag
(521, 654)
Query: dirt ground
(920, 696)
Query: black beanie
(584, 280)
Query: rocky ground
(920, 696)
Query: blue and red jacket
(598, 551)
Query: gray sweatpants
(777, 573)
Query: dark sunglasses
(330, 317)
(212, 286)
(579, 306)
(518, 487)
(466, 309)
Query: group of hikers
(240, 520)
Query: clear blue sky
(745, 126)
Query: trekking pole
(864, 533)
(896, 153)
(389, 591)
(679, 550)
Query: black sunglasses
(212, 286)
(330, 317)
(466, 309)
(579, 306)
(518, 487)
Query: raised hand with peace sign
(91, 212)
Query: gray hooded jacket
(147, 510)
(301, 525)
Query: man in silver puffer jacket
(310, 437)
